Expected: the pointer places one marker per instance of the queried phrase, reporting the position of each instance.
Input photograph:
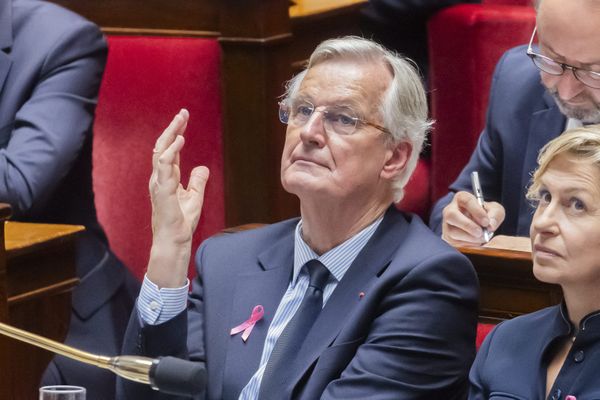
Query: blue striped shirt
(167, 304)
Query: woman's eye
(577, 204)
(545, 196)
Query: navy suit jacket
(522, 117)
(411, 336)
(512, 363)
(51, 65)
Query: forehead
(346, 82)
(569, 173)
(571, 29)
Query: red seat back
(465, 43)
(147, 80)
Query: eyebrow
(563, 58)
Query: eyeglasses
(338, 120)
(549, 66)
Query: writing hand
(464, 218)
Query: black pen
(479, 196)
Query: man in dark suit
(523, 115)
(353, 300)
(51, 64)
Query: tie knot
(318, 274)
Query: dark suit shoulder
(47, 18)
(423, 244)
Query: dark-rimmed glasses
(549, 66)
(336, 119)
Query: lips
(542, 250)
(307, 160)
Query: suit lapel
(5, 40)
(265, 286)
(369, 264)
(545, 125)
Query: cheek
(595, 95)
(549, 81)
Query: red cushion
(147, 80)
(482, 332)
(465, 42)
(527, 3)
(416, 193)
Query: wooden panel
(148, 15)
(36, 280)
(508, 286)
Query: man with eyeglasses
(537, 92)
(353, 300)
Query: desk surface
(305, 8)
(24, 236)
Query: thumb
(198, 179)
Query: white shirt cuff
(156, 306)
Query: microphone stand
(135, 368)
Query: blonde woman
(555, 353)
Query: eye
(544, 197)
(345, 119)
(304, 110)
(576, 204)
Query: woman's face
(565, 231)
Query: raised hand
(175, 209)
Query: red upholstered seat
(147, 80)
(465, 42)
(417, 193)
(482, 332)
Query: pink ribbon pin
(570, 397)
(246, 326)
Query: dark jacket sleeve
(55, 119)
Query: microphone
(166, 374)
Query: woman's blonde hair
(581, 143)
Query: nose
(568, 85)
(313, 132)
(545, 219)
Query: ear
(398, 156)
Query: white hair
(404, 106)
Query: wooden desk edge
(25, 236)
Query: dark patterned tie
(289, 342)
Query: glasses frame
(356, 120)
(564, 67)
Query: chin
(545, 274)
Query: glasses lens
(300, 112)
(341, 122)
(284, 113)
(589, 78)
(546, 64)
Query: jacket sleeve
(51, 126)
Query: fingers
(193, 198)
(496, 215)
(464, 218)
(167, 166)
(175, 128)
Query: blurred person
(341, 303)
(51, 64)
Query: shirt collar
(573, 123)
(336, 260)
